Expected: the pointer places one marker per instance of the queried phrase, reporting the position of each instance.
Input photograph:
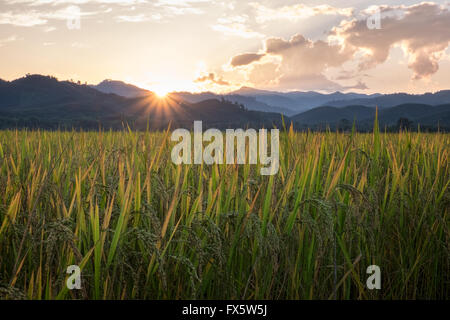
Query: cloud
(178, 11)
(212, 78)
(422, 31)
(181, 7)
(43, 10)
(34, 18)
(180, 2)
(7, 40)
(236, 26)
(348, 75)
(29, 19)
(162, 10)
(139, 18)
(245, 58)
(359, 85)
(264, 74)
(302, 64)
(79, 2)
(296, 12)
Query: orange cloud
(245, 58)
(423, 31)
(212, 78)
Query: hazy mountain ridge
(250, 103)
(47, 94)
(390, 100)
(288, 103)
(298, 101)
(295, 102)
(415, 114)
(120, 88)
(327, 114)
(42, 101)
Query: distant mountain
(131, 91)
(121, 88)
(45, 102)
(248, 91)
(297, 101)
(332, 115)
(390, 100)
(425, 115)
(47, 94)
(214, 113)
(250, 103)
(194, 97)
(287, 103)
(441, 116)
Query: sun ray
(161, 91)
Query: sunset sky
(199, 45)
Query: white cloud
(178, 11)
(138, 18)
(180, 2)
(159, 15)
(212, 78)
(29, 19)
(59, 2)
(7, 40)
(35, 18)
(236, 26)
(296, 12)
(171, 8)
(422, 30)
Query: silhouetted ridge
(120, 88)
(42, 101)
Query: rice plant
(141, 227)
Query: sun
(161, 92)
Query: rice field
(140, 227)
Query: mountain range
(288, 103)
(120, 88)
(45, 102)
(428, 116)
(391, 100)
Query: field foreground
(141, 227)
